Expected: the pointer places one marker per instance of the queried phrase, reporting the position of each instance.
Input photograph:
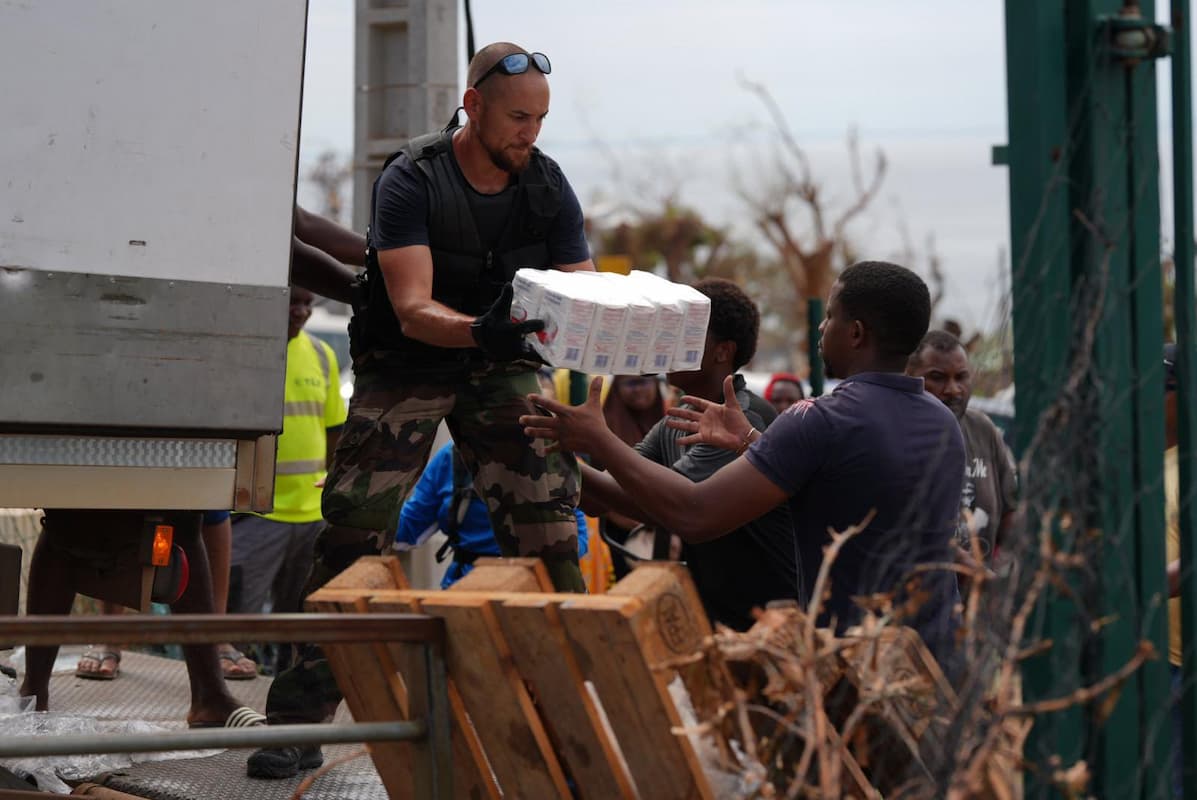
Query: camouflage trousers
(393, 417)
(384, 445)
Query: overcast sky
(656, 82)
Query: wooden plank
(374, 693)
(545, 659)
(473, 777)
(635, 698)
(343, 598)
(496, 698)
(506, 575)
(371, 572)
(674, 630)
(404, 598)
(423, 668)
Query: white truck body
(147, 179)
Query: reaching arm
(339, 242)
(696, 512)
(601, 495)
(317, 271)
(407, 272)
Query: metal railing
(429, 733)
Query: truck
(146, 203)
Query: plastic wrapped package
(634, 356)
(568, 317)
(613, 324)
(609, 327)
(696, 314)
(527, 290)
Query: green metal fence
(1088, 332)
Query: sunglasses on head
(517, 64)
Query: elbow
(694, 528)
(407, 314)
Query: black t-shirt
(749, 566)
(401, 213)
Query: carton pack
(527, 289)
(568, 316)
(612, 324)
(681, 330)
(634, 356)
(609, 325)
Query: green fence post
(1186, 403)
(814, 318)
(1037, 154)
(1085, 229)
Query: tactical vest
(466, 275)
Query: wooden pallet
(548, 691)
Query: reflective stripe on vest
(303, 408)
(303, 467)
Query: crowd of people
(748, 491)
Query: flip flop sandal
(99, 656)
(230, 660)
(243, 717)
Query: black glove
(500, 338)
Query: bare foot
(228, 714)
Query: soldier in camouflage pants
(384, 445)
(454, 214)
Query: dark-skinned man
(989, 498)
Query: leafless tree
(792, 213)
(331, 175)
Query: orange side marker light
(164, 537)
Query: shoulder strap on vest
(425, 147)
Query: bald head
(485, 59)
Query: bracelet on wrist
(750, 437)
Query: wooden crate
(547, 690)
(563, 695)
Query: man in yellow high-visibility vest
(272, 553)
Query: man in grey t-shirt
(990, 483)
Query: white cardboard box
(613, 324)
(634, 356)
(610, 323)
(687, 336)
(568, 319)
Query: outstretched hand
(719, 424)
(579, 429)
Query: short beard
(500, 160)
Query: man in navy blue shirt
(878, 450)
